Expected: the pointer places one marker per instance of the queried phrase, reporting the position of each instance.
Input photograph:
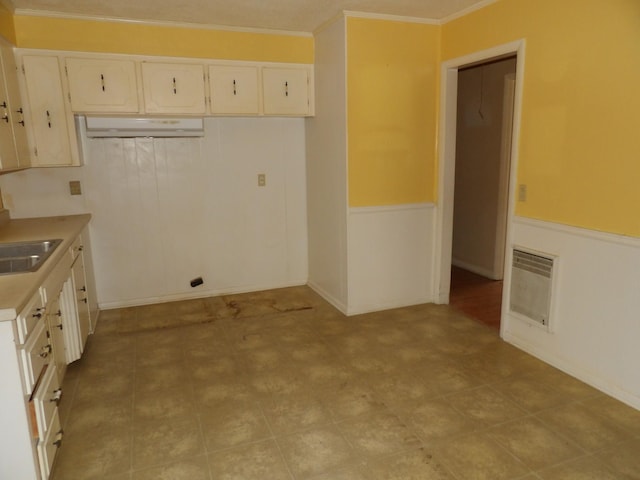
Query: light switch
(75, 188)
(262, 179)
(522, 192)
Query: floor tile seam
(204, 445)
(579, 452)
(507, 397)
(556, 430)
(363, 456)
(526, 468)
(424, 447)
(621, 425)
(449, 464)
(480, 422)
(585, 456)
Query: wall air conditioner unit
(532, 284)
(143, 127)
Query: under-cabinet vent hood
(144, 127)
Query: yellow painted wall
(149, 39)
(391, 111)
(7, 29)
(579, 151)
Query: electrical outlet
(262, 180)
(75, 188)
(522, 192)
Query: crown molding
(159, 23)
(466, 11)
(393, 18)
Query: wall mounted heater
(532, 286)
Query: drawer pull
(57, 396)
(45, 351)
(58, 441)
(38, 313)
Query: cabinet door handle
(175, 86)
(3, 104)
(286, 89)
(45, 351)
(234, 87)
(21, 112)
(58, 441)
(48, 119)
(102, 82)
(38, 313)
(5, 117)
(57, 396)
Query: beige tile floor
(279, 385)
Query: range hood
(144, 127)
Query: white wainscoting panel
(596, 307)
(390, 257)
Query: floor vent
(531, 286)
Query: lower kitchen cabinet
(49, 333)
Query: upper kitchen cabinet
(102, 85)
(51, 124)
(14, 146)
(287, 91)
(173, 88)
(234, 90)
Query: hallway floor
(279, 385)
(476, 296)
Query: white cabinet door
(234, 90)
(173, 88)
(102, 86)
(82, 300)
(8, 154)
(285, 91)
(14, 149)
(51, 124)
(56, 325)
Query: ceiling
(292, 15)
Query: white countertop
(17, 289)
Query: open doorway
(484, 124)
(447, 166)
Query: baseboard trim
(574, 370)
(328, 297)
(137, 302)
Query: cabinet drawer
(28, 318)
(46, 399)
(48, 447)
(36, 353)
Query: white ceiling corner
(287, 15)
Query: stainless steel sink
(25, 257)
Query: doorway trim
(447, 159)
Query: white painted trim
(447, 156)
(342, 307)
(390, 18)
(191, 296)
(575, 370)
(580, 232)
(466, 11)
(484, 272)
(159, 23)
(391, 208)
